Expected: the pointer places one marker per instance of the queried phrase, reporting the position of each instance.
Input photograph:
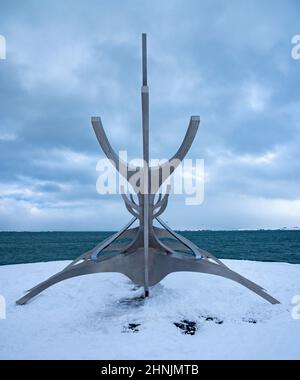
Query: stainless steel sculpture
(146, 254)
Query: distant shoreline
(188, 230)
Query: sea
(260, 245)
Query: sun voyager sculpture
(146, 253)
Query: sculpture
(146, 254)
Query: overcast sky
(228, 61)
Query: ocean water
(263, 245)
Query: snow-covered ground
(94, 316)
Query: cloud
(7, 136)
(256, 96)
(228, 62)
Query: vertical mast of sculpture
(145, 189)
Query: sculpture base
(161, 262)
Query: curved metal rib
(113, 238)
(128, 206)
(81, 269)
(129, 203)
(161, 199)
(177, 245)
(131, 211)
(164, 203)
(165, 264)
(162, 245)
(122, 167)
(160, 173)
(105, 243)
(188, 138)
(173, 243)
(85, 256)
(171, 264)
(193, 247)
(133, 233)
(132, 199)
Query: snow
(88, 317)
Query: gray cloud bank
(230, 62)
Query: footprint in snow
(187, 327)
(131, 327)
